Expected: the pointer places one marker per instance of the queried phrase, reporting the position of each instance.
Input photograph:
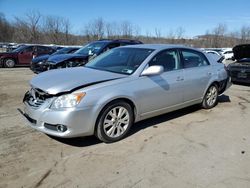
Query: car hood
(40, 58)
(67, 80)
(241, 51)
(63, 57)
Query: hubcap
(116, 122)
(211, 96)
(9, 63)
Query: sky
(195, 16)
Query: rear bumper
(240, 74)
(224, 85)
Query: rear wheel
(211, 97)
(114, 122)
(9, 63)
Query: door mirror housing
(153, 70)
(90, 53)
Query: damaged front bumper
(65, 123)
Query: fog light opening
(61, 128)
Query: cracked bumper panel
(79, 122)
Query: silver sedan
(120, 87)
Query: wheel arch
(124, 99)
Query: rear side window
(193, 59)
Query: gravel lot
(187, 148)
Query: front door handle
(179, 78)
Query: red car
(23, 55)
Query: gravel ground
(187, 148)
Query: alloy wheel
(116, 122)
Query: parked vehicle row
(79, 57)
(122, 86)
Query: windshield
(19, 49)
(91, 48)
(120, 60)
(62, 51)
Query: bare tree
(219, 32)
(6, 29)
(180, 32)
(95, 29)
(21, 32)
(126, 29)
(33, 22)
(56, 30)
(158, 33)
(245, 34)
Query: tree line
(37, 28)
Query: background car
(240, 69)
(84, 54)
(228, 54)
(38, 64)
(120, 87)
(23, 55)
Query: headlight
(68, 101)
(40, 62)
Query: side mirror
(90, 53)
(153, 70)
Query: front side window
(169, 59)
(120, 60)
(28, 49)
(193, 59)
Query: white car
(213, 52)
(228, 54)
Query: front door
(160, 92)
(25, 56)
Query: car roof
(119, 40)
(159, 46)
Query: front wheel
(211, 97)
(9, 63)
(114, 122)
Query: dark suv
(23, 55)
(240, 69)
(84, 54)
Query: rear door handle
(209, 74)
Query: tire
(9, 63)
(113, 126)
(211, 97)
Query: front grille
(35, 97)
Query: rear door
(25, 56)
(197, 73)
